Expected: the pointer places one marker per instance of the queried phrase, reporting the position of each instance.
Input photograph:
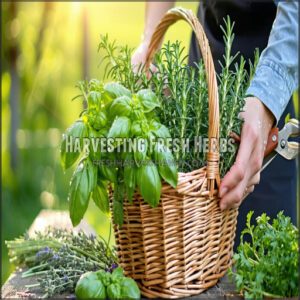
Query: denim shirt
(276, 75)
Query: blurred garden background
(47, 48)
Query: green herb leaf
(120, 128)
(77, 130)
(104, 277)
(100, 196)
(120, 107)
(114, 291)
(166, 164)
(90, 287)
(116, 90)
(148, 100)
(94, 99)
(130, 171)
(160, 130)
(82, 184)
(129, 289)
(140, 153)
(95, 144)
(118, 272)
(149, 183)
(136, 129)
(108, 171)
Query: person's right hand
(154, 13)
(138, 59)
(139, 56)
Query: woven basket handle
(171, 17)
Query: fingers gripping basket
(183, 246)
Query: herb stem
(266, 294)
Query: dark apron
(253, 23)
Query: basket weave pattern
(183, 246)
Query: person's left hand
(245, 173)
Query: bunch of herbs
(183, 94)
(135, 158)
(57, 258)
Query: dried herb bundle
(182, 91)
(59, 257)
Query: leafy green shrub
(268, 265)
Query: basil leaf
(95, 85)
(129, 177)
(82, 184)
(114, 291)
(90, 287)
(129, 289)
(118, 272)
(166, 164)
(120, 107)
(94, 99)
(149, 183)
(140, 154)
(103, 132)
(105, 277)
(116, 90)
(120, 128)
(77, 130)
(108, 171)
(148, 100)
(118, 204)
(102, 119)
(100, 197)
(97, 119)
(92, 172)
(159, 130)
(136, 129)
(95, 143)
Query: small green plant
(105, 285)
(115, 115)
(268, 265)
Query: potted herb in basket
(170, 233)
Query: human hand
(245, 173)
(139, 56)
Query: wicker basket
(183, 246)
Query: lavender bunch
(59, 257)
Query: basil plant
(117, 143)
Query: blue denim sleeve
(276, 75)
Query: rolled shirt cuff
(273, 86)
